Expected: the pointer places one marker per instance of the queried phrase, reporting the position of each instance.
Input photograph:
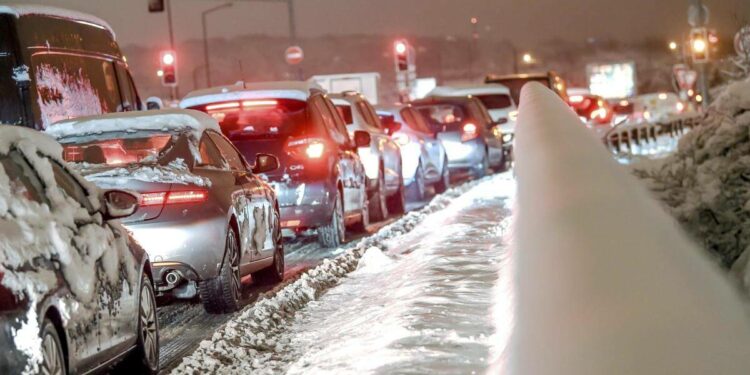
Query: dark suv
(58, 64)
(321, 181)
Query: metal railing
(635, 136)
(604, 281)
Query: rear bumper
(196, 245)
(304, 205)
(464, 155)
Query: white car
(496, 97)
(424, 159)
(382, 159)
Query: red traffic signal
(168, 64)
(401, 49)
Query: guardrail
(604, 280)
(630, 137)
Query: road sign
(294, 55)
(698, 15)
(742, 41)
(685, 76)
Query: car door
(257, 238)
(352, 171)
(492, 133)
(433, 150)
(390, 150)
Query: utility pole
(698, 18)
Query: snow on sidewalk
(441, 267)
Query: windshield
(261, 118)
(118, 150)
(499, 101)
(515, 85)
(443, 116)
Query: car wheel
(445, 179)
(397, 202)
(332, 234)
(144, 359)
(378, 202)
(53, 359)
(419, 185)
(222, 294)
(484, 168)
(275, 273)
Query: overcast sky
(526, 22)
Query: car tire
(53, 357)
(418, 186)
(397, 202)
(144, 359)
(222, 294)
(333, 233)
(445, 179)
(378, 201)
(484, 169)
(275, 273)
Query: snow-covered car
(58, 64)
(495, 97)
(473, 142)
(205, 218)
(657, 107)
(75, 289)
(321, 182)
(423, 155)
(382, 158)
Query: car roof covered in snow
(296, 90)
(20, 10)
(11, 135)
(470, 89)
(167, 120)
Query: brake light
(152, 199)
(315, 150)
(259, 103)
(576, 99)
(680, 107)
(469, 132)
(223, 106)
(174, 197)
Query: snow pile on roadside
(248, 343)
(176, 172)
(706, 182)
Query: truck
(365, 83)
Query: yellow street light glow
(699, 45)
(691, 92)
(474, 20)
(527, 58)
(699, 98)
(673, 45)
(159, 73)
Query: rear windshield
(415, 120)
(441, 117)
(499, 101)
(263, 118)
(515, 85)
(10, 74)
(118, 149)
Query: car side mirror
(362, 138)
(154, 102)
(119, 204)
(501, 120)
(265, 163)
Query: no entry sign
(294, 55)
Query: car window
(496, 101)
(228, 152)
(372, 116)
(22, 179)
(337, 120)
(321, 111)
(345, 110)
(414, 120)
(10, 101)
(480, 112)
(70, 186)
(210, 155)
(70, 86)
(130, 100)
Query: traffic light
(401, 49)
(168, 64)
(699, 45)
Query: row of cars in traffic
(105, 206)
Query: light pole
(206, 60)
(473, 52)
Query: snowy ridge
(248, 343)
(606, 283)
(19, 10)
(176, 172)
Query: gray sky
(526, 22)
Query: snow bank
(162, 120)
(606, 283)
(706, 183)
(250, 342)
(19, 10)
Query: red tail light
(469, 131)
(306, 148)
(174, 197)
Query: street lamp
(673, 46)
(527, 58)
(205, 39)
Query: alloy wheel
(235, 265)
(52, 361)
(149, 335)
